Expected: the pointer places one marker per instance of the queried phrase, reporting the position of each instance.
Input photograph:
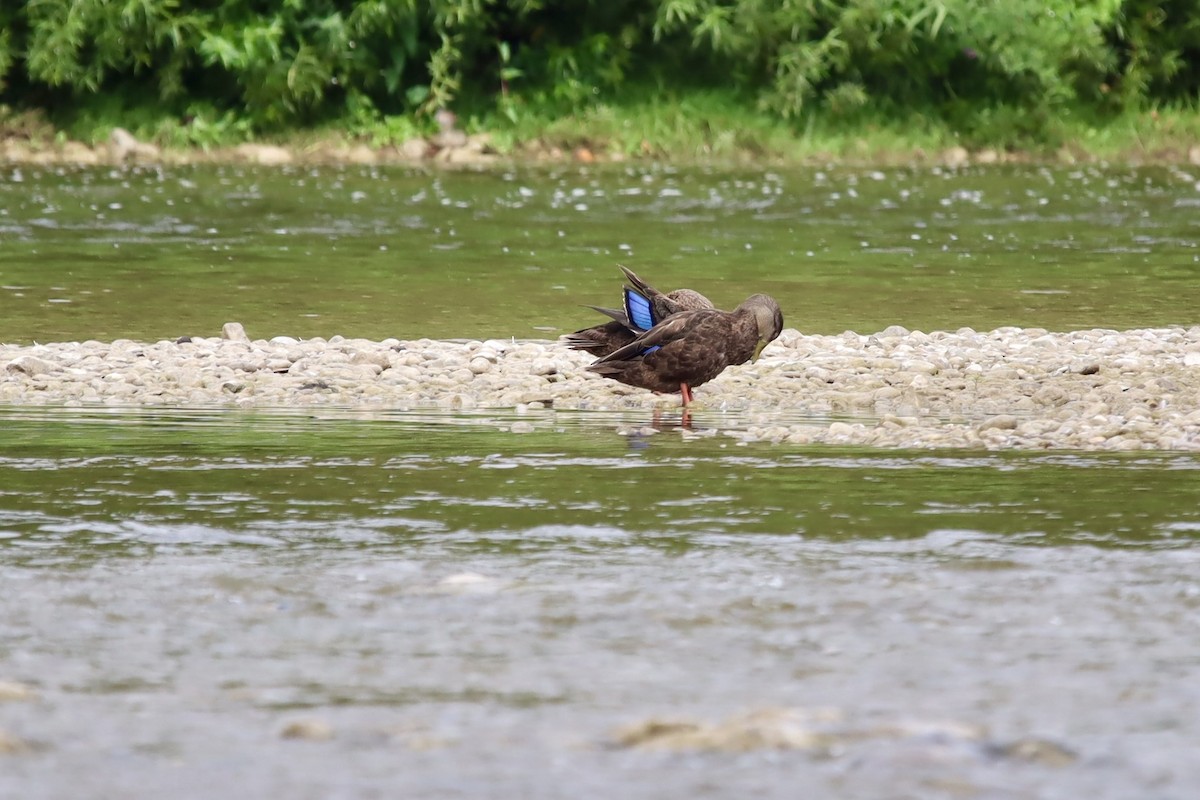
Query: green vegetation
(692, 77)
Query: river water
(156, 253)
(203, 602)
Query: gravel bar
(1019, 388)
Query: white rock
(263, 154)
(234, 332)
(30, 365)
(840, 430)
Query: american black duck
(644, 307)
(690, 348)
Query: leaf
(715, 26)
(7, 56)
(672, 15)
(416, 95)
(307, 77)
(216, 49)
(393, 72)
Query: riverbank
(1170, 138)
(477, 151)
(1008, 388)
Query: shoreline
(1011, 388)
(476, 152)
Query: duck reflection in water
(639, 438)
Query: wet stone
(1004, 422)
(768, 729)
(1036, 751)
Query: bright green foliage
(948, 57)
(278, 67)
(996, 71)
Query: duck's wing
(646, 306)
(664, 333)
(600, 340)
(639, 310)
(616, 314)
(689, 348)
(639, 285)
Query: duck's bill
(758, 348)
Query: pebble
(1010, 388)
(10, 744)
(14, 691)
(311, 729)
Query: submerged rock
(830, 730)
(773, 729)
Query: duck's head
(767, 317)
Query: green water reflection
(156, 253)
(96, 484)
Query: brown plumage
(602, 340)
(692, 347)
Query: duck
(690, 348)
(643, 308)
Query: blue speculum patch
(637, 308)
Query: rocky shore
(1007, 388)
(455, 149)
(122, 148)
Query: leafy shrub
(276, 67)
(999, 71)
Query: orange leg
(686, 391)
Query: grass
(706, 125)
(1151, 131)
(687, 127)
